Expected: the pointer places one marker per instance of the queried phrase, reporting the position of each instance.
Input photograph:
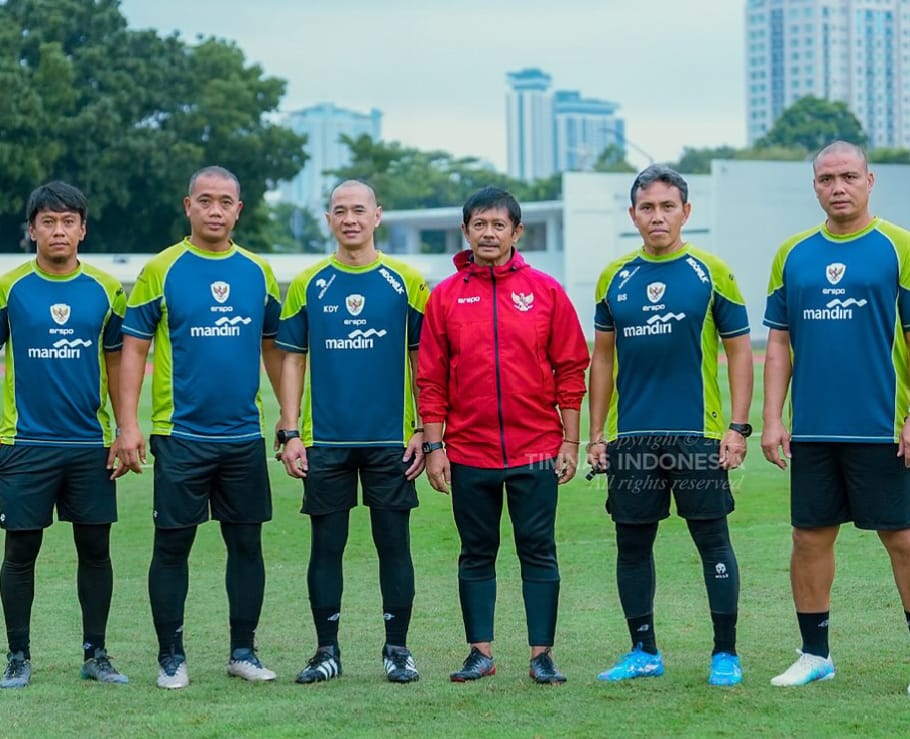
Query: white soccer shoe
(808, 668)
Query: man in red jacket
(501, 377)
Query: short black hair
(490, 198)
(216, 170)
(660, 173)
(56, 196)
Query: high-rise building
(855, 51)
(324, 125)
(529, 125)
(584, 128)
(555, 131)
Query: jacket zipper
(502, 429)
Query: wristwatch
(285, 435)
(431, 446)
(744, 429)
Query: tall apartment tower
(323, 125)
(855, 51)
(556, 131)
(529, 125)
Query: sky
(436, 69)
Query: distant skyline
(437, 69)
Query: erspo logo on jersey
(224, 325)
(836, 309)
(62, 348)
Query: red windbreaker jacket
(501, 349)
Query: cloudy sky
(436, 69)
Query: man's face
(659, 215)
(213, 208)
(353, 217)
(842, 184)
(491, 236)
(57, 236)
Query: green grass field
(868, 696)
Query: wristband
(569, 441)
(418, 430)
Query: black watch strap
(742, 428)
(431, 446)
(284, 435)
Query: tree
(294, 229)
(698, 160)
(612, 159)
(889, 156)
(128, 116)
(811, 123)
(406, 178)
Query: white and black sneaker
(324, 665)
(399, 664)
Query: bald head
(362, 189)
(840, 148)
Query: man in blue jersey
(845, 285)
(212, 308)
(60, 320)
(660, 311)
(350, 328)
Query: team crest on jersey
(221, 291)
(835, 272)
(656, 291)
(524, 302)
(354, 304)
(60, 312)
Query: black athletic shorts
(191, 477)
(643, 470)
(33, 479)
(331, 482)
(834, 482)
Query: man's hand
(439, 472)
(597, 456)
(732, 450)
(566, 462)
(774, 438)
(114, 453)
(293, 456)
(130, 449)
(903, 446)
(414, 453)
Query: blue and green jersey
(56, 329)
(356, 325)
(845, 301)
(667, 313)
(208, 313)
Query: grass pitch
(869, 638)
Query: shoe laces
(544, 661)
(103, 663)
(15, 667)
(475, 659)
(322, 655)
(398, 657)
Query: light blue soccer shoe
(637, 663)
(725, 669)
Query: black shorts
(832, 483)
(331, 482)
(33, 479)
(192, 476)
(643, 470)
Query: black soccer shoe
(476, 666)
(324, 665)
(543, 671)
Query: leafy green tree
(128, 116)
(889, 156)
(406, 178)
(695, 160)
(293, 229)
(612, 159)
(811, 123)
